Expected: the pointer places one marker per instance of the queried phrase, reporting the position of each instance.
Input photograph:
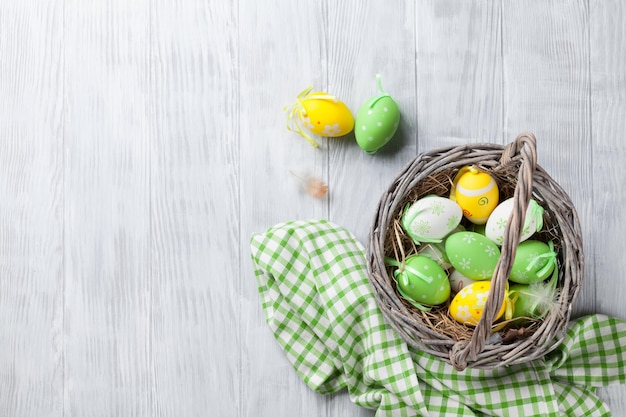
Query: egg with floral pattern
(326, 115)
(319, 113)
(468, 305)
(496, 224)
(431, 218)
(472, 254)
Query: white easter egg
(458, 281)
(431, 218)
(499, 217)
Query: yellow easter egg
(477, 194)
(326, 116)
(468, 305)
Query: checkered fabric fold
(317, 301)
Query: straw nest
(488, 345)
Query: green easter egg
(376, 123)
(528, 303)
(534, 262)
(472, 254)
(436, 252)
(423, 281)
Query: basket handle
(526, 146)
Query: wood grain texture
(143, 143)
(194, 214)
(546, 91)
(459, 73)
(608, 120)
(31, 210)
(107, 210)
(364, 40)
(282, 50)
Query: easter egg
(376, 122)
(468, 305)
(319, 113)
(534, 262)
(472, 254)
(531, 301)
(477, 194)
(458, 281)
(478, 228)
(422, 281)
(327, 117)
(533, 222)
(431, 218)
(436, 252)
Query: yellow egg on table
(477, 193)
(468, 305)
(327, 117)
(319, 113)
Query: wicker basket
(515, 169)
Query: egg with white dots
(377, 121)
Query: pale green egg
(422, 281)
(472, 254)
(376, 122)
(534, 262)
(531, 301)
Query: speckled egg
(377, 121)
(422, 281)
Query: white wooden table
(142, 143)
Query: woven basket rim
(518, 155)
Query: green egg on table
(376, 121)
(422, 281)
(472, 254)
(534, 262)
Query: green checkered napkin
(318, 303)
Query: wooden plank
(282, 50)
(365, 39)
(108, 365)
(195, 209)
(546, 91)
(608, 107)
(31, 212)
(459, 73)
